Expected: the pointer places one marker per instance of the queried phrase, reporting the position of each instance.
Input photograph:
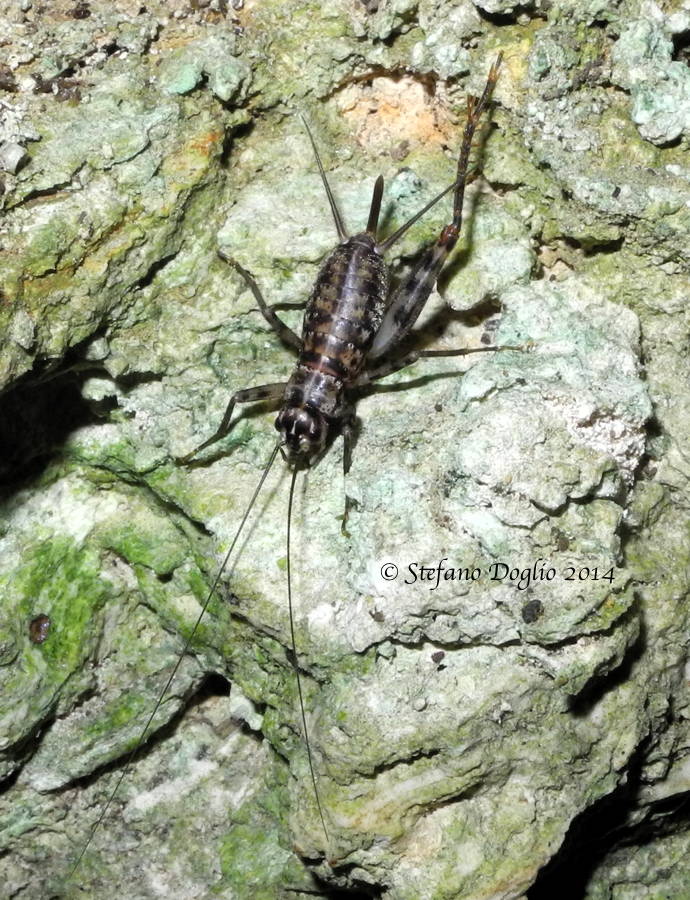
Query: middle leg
(286, 334)
(394, 365)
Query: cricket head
(305, 432)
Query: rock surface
(494, 657)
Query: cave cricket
(349, 329)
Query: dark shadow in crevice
(359, 890)
(36, 417)
(233, 134)
(666, 817)
(672, 142)
(22, 751)
(128, 380)
(588, 250)
(599, 686)
(681, 47)
(604, 828)
(213, 685)
(603, 248)
(591, 836)
(511, 18)
(156, 266)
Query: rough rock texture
(494, 657)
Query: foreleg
(272, 392)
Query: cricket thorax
(312, 404)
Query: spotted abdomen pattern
(342, 317)
(345, 309)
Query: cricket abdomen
(345, 309)
(342, 317)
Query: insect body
(351, 328)
(350, 322)
(342, 318)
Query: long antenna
(337, 218)
(294, 658)
(187, 644)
